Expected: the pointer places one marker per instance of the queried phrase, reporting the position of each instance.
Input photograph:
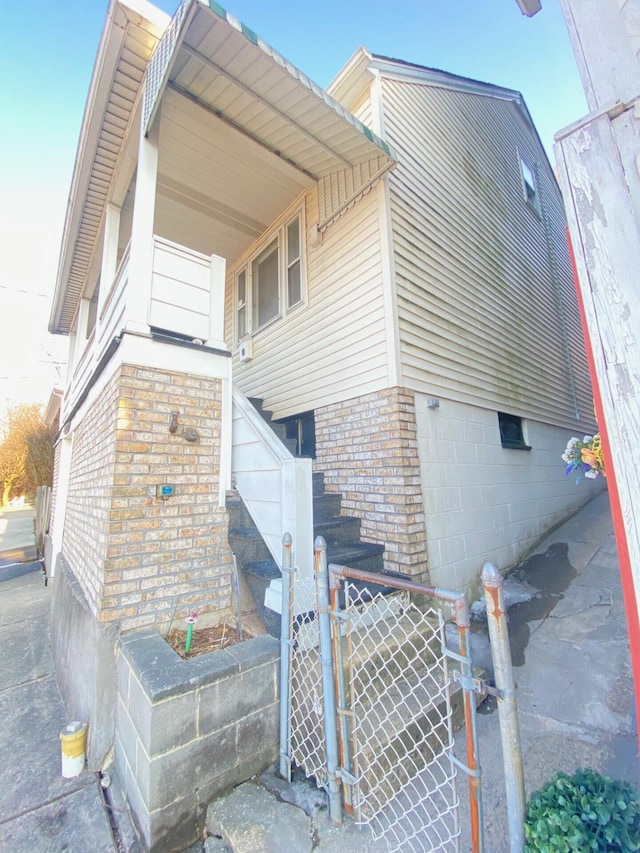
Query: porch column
(216, 303)
(109, 255)
(83, 326)
(141, 254)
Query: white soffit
(212, 58)
(130, 34)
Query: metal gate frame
(330, 762)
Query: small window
(529, 186)
(294, 263)
(264, 286)
(511, 432)
(272, 281)
(241, 303)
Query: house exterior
(383, 264)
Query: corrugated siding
(334, 347)
(481, 318)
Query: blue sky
(47, 55)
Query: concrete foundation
(189, 730)
(84, 655)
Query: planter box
(187, 731)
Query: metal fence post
(286, 639)
(507, 706)
(321, 572)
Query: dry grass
(203, 640)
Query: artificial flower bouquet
(584, 457)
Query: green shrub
(583, 812)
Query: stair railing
(276, 487)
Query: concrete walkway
(573, 675)
(40, 812)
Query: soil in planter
(203, 640)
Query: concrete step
(318, 482)
(359, 555)
(248, 546)
(338, 530)
(326, 505)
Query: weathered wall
(367, 449)
(486, 303)
(163, 553)
(88, 508)
(189, 730)
(483, 501)
(84, 658)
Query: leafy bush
(583, 812)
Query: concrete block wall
(485, 502)
(367, 449)
(189, 730)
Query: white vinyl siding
(334, 347)
(481, 315)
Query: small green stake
(187, 644)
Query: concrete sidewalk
(40, 812)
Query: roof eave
(119, 14)
(354, 76)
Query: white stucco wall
(482, 501)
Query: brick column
(367, 449)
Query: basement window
(512, 432)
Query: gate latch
(476, 685)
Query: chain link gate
(396, 687)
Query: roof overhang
(208, 56)
(214, 59)
(131, 31)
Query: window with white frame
(271, 282)
(529, 186)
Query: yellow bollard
(73, 741)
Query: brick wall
(367, 449)
(89, 494)
(138, 558)
(57, 450)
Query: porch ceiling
(218, 190)
(214, 59)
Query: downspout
(626, 574)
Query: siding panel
(334, 347)
(486, 304)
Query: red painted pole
(626, 574)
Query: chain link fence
(400, 713)
(385, 746)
